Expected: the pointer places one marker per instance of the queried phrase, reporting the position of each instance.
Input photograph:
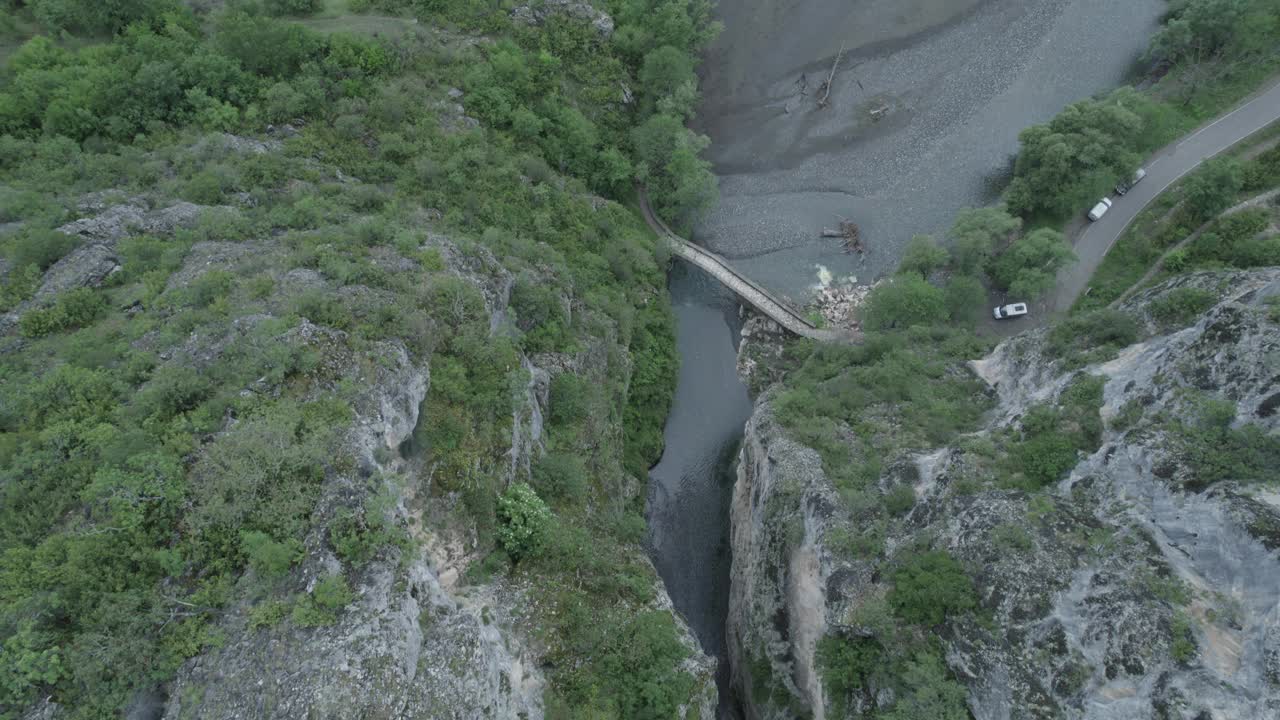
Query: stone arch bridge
(754, 295)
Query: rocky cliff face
(416, 641)
(1131, 588)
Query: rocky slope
(1130, 588)
(418, 640)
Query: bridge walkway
(750, 292)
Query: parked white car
(1008, 311)
(1100, 209)
(1124, 187)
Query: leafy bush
(1053, 436)
(1213, 187)
(356, 536)
(1092, 337)
(561, 477)
(1216, 451)
(930, 692)
(524, 520)
(97, 16)
(930, 586)
(292, 7)
(75, 308)
(41, 248)
(269, 558)
(320, 606)
(1181, 305)
(900, 499)
(847, 664)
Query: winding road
(1165, 168)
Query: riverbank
(957, 82)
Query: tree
(1079, 154)
(976, 234)
(665, 71)
(681, 184)
(904, 301)
(97, 16)
(922, 256)
(963, 296)
(1212, 188)
(1196, 29)
(929, 587)
(1029, 267)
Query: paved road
(1093, 240)
(1165, 168)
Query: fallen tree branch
(826, 86)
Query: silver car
(1008, 311)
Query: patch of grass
(1180, 306)
(1091, 337)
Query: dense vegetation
(864, 409)
(144, 488)
(1207, 55)
(1185, 229)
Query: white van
(1100, 209)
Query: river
(921, 120)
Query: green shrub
(570, 399)
(930, 692)
(41, 248)
(847, 664)
(1052, 436)
(1092, 337)
(1011, 537)
(900, 499)
(1176, 260)
(268, 557)
(356, 536)
(524, 520)
(1263, 172)
(75, 308)
(1213, 187)
(1217, 451)
(1182, 305)
(292, 7)
(561, 477)
(976, 234)
(267, 614)
(1183, 647)
(321, 606)
(930, 586)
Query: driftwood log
(825, 89)
(850, 234)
